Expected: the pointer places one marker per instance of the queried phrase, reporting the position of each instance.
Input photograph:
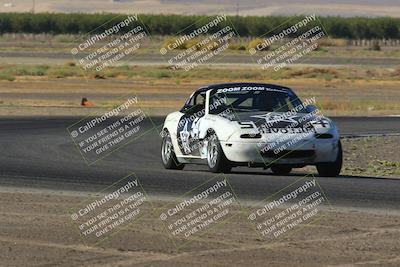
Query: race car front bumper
(305, 152)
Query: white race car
(250, 124)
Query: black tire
(332, 169)
(168, 156)
(281, 169)
(216, 159)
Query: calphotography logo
(199, 133)
(115, 208)
(200, 210)
(98, 136)
(293, 206)
(190, 49)
(110, 43)
(288, 43)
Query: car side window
(195, 104)
(200, 99)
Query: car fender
(171, 125)
(331, 128)
(171, 122)
(224, 128)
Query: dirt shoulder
(36, 230)
(373, 156)
(370, 156)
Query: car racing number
(188, 135)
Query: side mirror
(199, 108)
(311, 108)
(185, 109)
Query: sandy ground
(36, 230)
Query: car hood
(281, 119)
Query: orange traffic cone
(86, 103)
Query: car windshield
(271, 100)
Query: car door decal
(188, 135)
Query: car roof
(222, 85)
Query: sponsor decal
(188, 134)
(298, 130)
(249, 88)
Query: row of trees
(337, 27)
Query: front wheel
(168, 156)
(332, 169)
(216, 160)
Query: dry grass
(161, 95)
(328, 47)
(243, 73)
(339, 91)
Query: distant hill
(346, 8)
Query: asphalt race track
(38, 153)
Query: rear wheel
(332, 169)
(216, 160)
(281, 169)
(168, 155)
